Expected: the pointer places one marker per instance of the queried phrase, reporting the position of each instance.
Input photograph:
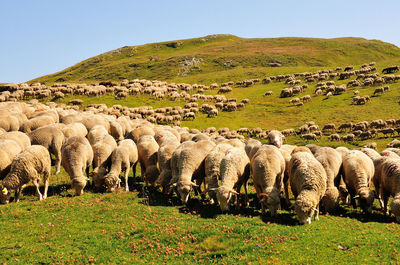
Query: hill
(232, 57)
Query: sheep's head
(4, 194)
(184, 190)
(367, 197)
(111, 182)
(224, 196)
(331, 199)
(271, 201)
(395, 208)
(305, 209)
(276, 138)
(78, 185)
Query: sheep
(116, 130)
(212, 168)
(329, 127)
(308, 182)
(267, 169)
(235, 172)
(275, 138)
(123, 158)
(34, 123)
(102, 150)
(334, 137)
(331, 160)
(21, 138)
(147, 150)
(76, 158)
(9, 122)
(387, 181)
(358, 171)
(8, 150)
(164, 155)
(309, 136)
(52, 139)
(27, 166)
(187, 164)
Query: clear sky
(40, 37)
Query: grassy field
(217, 58)
(144, 226)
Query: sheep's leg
(134, 169)
(17, 193)
(126, 173)
(379, 192)
(36, 183)
(57, 154)
(316, 213)
(385, 204)
(286, 186)
(46, 184)
(246, 197)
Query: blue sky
(40, 37)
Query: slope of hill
(199, 59)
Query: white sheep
(187, 164)
(308, 182)
(102, 150)
(331, 160)
(235, 172)
(358, 171)
(123, 158)
(77, 156)
(27, 166)
(21, 138)
(267, 168)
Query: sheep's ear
(4, 191)
(263, 199)
(315, 209)
(356, 197)
(212, 189)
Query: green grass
(230, 56)
(146, 227)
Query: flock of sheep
(176, 159)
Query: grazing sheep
(52, 139)
(77, 156)
(21, 138)
(147, 150)
(331, 160)
(358, 171)
(309, 136)
(164, 155)
(308, 182)
(235, 172)
(123, 158)
(27, 166)
(187, 164)
(329, 127)
(267, 170)
(334, 137)
(387, 181)
(102, 150)
(212, 168)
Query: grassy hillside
(199, 59)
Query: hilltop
(232, 57)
